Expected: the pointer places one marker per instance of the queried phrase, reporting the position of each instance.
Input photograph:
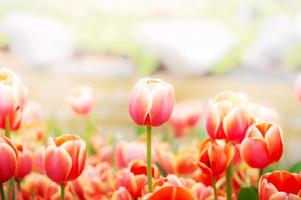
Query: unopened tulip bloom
(12, 92)
(8, 159)
(24, 163)
(65, 158)
(215, 157)
(263, 145)
(185, 115)
(228, 117)
(14, 120)
(81, 99)
(151, 102)
(280, 185)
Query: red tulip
(280, 185)
(81, 99)
(215, 157)
(8, 159)
(14, 120)
(24, 163)
(65, 158)
(185, 115)
(228, 117)
(263, 145)
(151, 102)
(12, 92)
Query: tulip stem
(62, 191)
(229, 181)
(2, 191)
(149, 158)
(214, 187)
(7, 127)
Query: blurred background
(200, 46)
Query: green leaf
(296, 168)
(247, 194)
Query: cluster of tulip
(243, 140)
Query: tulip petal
(274, 141)
(8, 162)
(171, 193)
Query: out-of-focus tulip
(151, 102)
(134, 179)
(121, 194)
(81, 99)
(24, 163)
(14, 120)
(228, 116)
(38, 160)
(65, 158)
(297, 87)
(263, 145)
(33, 112)
(186, 157)
(8, 159)
(169, 188)
(185, 115)
(12, 92)
(280, 185)
(215, 157)
(126, 152)
(263, 114)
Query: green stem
(260, 173)
(7, 127)
(62, 191)
(229, 181)
(2, 191)
(214, 187)
(149, 158)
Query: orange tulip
(170, 188)
(81, 100)
(263, 145)
(65, 158)
(280, 185)
(185, 115)
(228, 117)
(151, 102)
(24, 163)
(8, 159)
(215, 157)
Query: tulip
(280, 185)
(33, 112)
(8, 160)
(185, 115)
(150, 104)
(228, 117)
(12, 92)
(24, 163)
(121, 194)
(65, 159)
(14, 119)
(263, 145)
(215, 158)
(81, 100)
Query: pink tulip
(81, 100)
(33, 112)
(151, 102)
(263, 145)
(228, 117)
(185, 115)
(8, 159)
(24, 163)
(65, 158)
(12, 92)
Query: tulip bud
(81, 100)
(151, 102)
(24, 163)
(8, 159)
(262, 146)
(228, 117)
(215, 157)
(65, 158)
(280, 185)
